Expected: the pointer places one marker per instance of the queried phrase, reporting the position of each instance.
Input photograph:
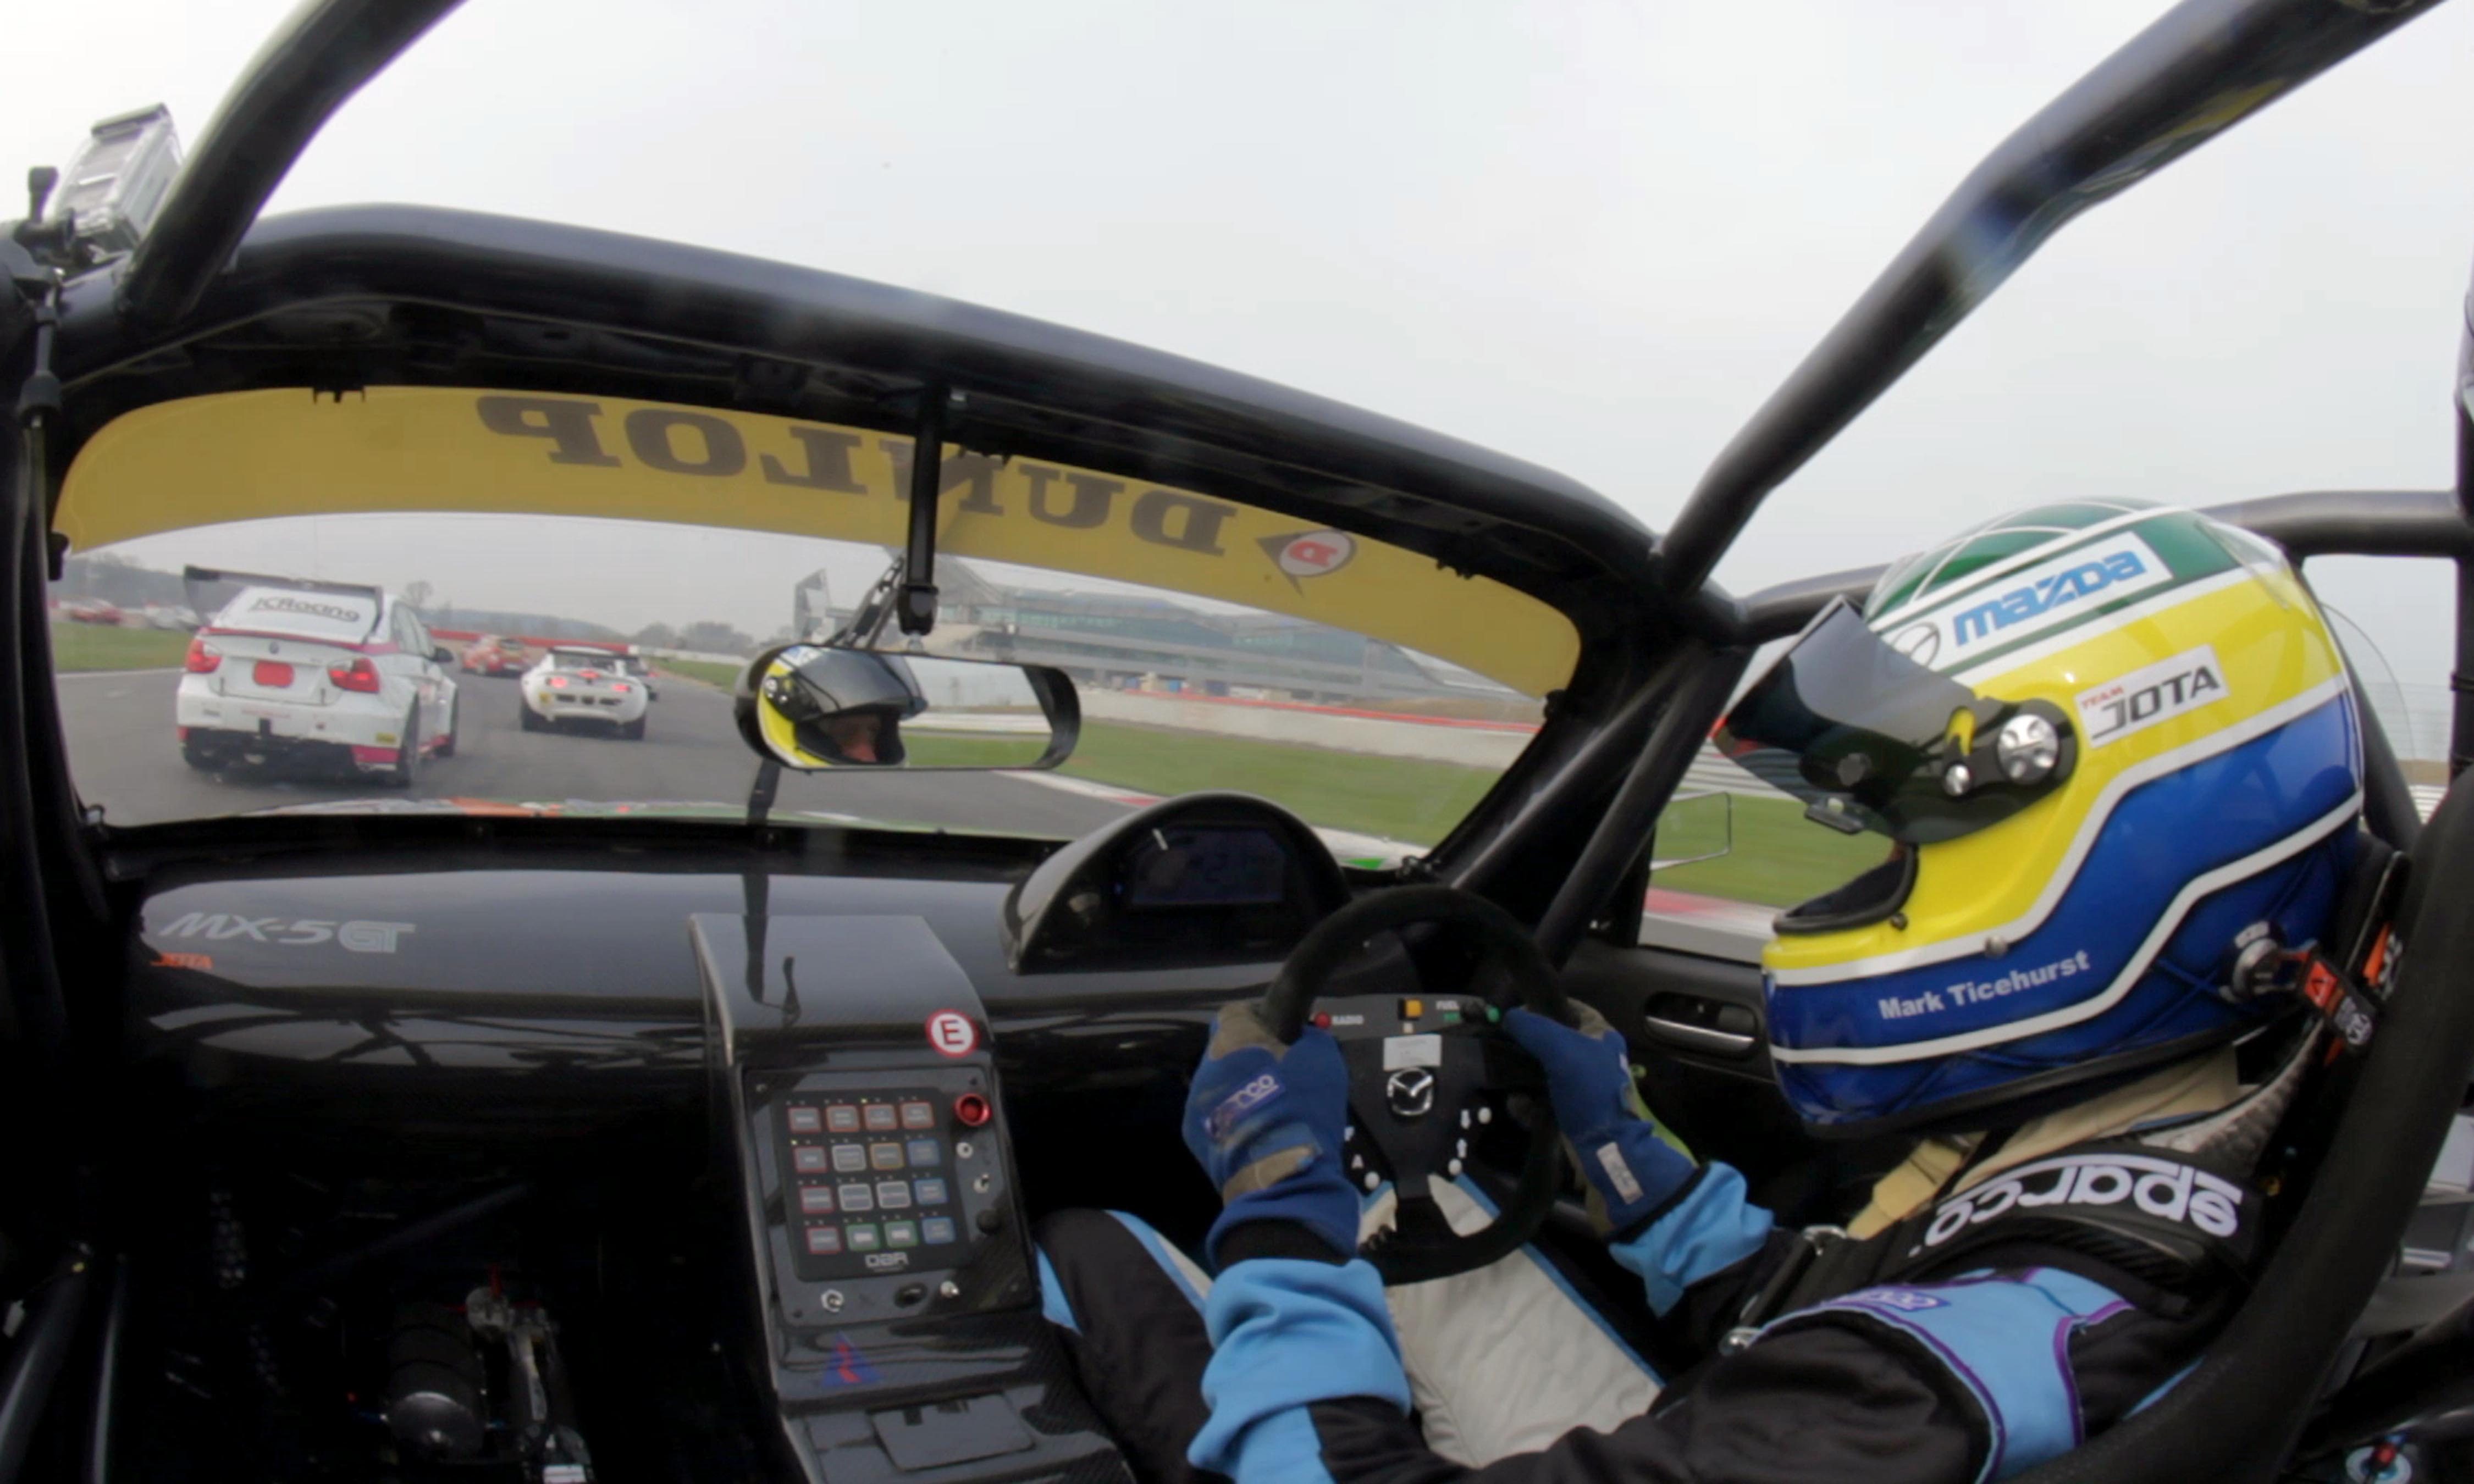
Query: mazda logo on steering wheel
(1411, 1093)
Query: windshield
(1366, 687)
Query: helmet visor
(1871, 740)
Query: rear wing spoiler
(198, 579)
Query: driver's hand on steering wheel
(1265, 1120)
(1630, 1168)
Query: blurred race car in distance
(578, 682)
(91, 610)
(494, 655)
(168, 615)
(315, 673)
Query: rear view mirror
(810, 707)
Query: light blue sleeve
(1286, 1332)
(1710, 1229)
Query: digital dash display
(1206, 866)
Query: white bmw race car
(332, 674)
(580, 683)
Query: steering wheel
(1421, 1136)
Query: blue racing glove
(1631, 1166)
(1264, 1120)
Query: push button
(807, 1121)
(816, 1200)
(930, 1192)
(918, 1116)
(902, 1234)
(857, 1198)
(924, 1152)
(936, 1230)
(881, 1117)
(824, 1241)
(807, 1158)
(842, 1118)
(885, 1157)
(863, 1237)
(849, 1158)
(893, 1194)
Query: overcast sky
(1593, 235)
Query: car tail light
(360, 674)
(202, 657)
(270, 672)
(558, 683)
(620, 688)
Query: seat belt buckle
(2351, 1015)
(1770, 1299)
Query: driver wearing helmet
(834, 708)
(2114, 757)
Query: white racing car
(577, 682)
(337, 674)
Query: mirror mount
(916, 611)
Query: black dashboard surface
(358, 971)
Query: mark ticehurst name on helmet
(1978, 991)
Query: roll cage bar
(2202, 69)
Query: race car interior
(534, 1125)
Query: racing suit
(1294, 1364)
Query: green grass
(711, 672)
(1778, 857)
(949, 750)
(94, 647)
(1405, 799)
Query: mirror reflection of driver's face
(854, 735)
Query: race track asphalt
(124, 756)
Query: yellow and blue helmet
(2110, 746)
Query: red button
(825, 1241)
(808, 1158)
(879, 1116)
(807, 1121)
(1323, 1018)
(971, 1110)
(918, 1116)
(816, 1200)
(842, 1118)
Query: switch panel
(860, 1203)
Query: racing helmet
(2110, 747)
(811, 696)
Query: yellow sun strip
(254, 455)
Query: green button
(902, 1234)
(863, 1237)
(1452, 1018)
(1493, 1014)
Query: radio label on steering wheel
(1401, 1051)
(952, 1033)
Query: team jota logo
(358, 936)
(2166, 1189)
(2154, 693)
(2033, 600)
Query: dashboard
(884, 1042)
